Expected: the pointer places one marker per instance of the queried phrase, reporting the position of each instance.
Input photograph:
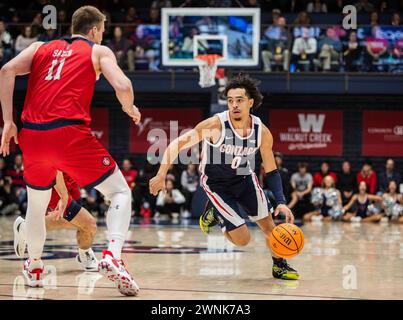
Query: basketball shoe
(87, 260)
(116, 272)
(208, 219)
(33, 273)
(20, 244)
(282, 270)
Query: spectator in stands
(360, 205)
(14, 28)
(352, 52)
(346, 182)
(301, 21)
(169, 201)
(330, 48)
(388, 175)
(301, 183)
(376, 49)
(397, 52)
(173, 175)
(384, 6)
(24, 40)
(16, 173)
(189, 182)
(284, 174)
(397, 198)
(304, 50)
(304, 21)
(8, 199)
(122, 48)
(396, 20)
(36, 24)
(92, 201)
(143, 47)
(374, 19)
(154, 16)
(275, 15)
(364, 6)
(316, 6)
(324, 171)
(393, 192)
(277, 46)
(63, 23)
(368, 176)
(327, 185)
(6, 44)
(2, 170)
(132, 18)
(48, 35)
(129, 173)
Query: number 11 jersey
(61, 83)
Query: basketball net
(207, 69)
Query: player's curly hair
(251, 86)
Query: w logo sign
(311, 122)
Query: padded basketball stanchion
(207, 69)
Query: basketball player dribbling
(231, 140)
(65, 202)
(56, 135)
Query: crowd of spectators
(133, 33)
(368, 192)
(343, 194)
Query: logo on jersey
(237, 150)
(106, 161)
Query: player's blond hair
(85, 18)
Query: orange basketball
(286, 240)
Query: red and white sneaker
(116, 272)
(33, 273)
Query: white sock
(35, 264)
(115, 246)
(82, 252)
(35, 228)
(116, 190)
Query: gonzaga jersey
(61, 82)
(232, 156)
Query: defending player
(65, 202)
(56, 134)
(231, 140)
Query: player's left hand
(157, 183)
(133, 113)
(60, 208)
(9, 131)
(289, 217)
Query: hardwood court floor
(339, 261)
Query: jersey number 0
(49, 76)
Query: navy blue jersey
(232, 156)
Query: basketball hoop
(207, 69)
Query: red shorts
(66, 146)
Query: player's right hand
(157, 183)
(133, 113)
(9, 131)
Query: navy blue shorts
(245, 192)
